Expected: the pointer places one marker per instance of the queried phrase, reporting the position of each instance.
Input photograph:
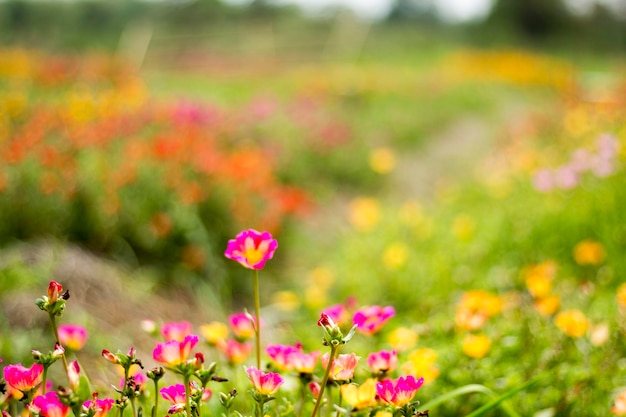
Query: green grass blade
(497, 401)
(467, 389)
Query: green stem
(156, 398)
(55, 330)
(257, 313)
(43, 380)
(187, 396)
(331, 358)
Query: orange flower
(572, 322)
(539, 278)
(589, 252)
(475, 308)
(476, 345)
(547, 305)
(621, 295)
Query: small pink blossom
(265, 383)
(371, 319)
(21, 379)
(543, 180)
(282, 355)
(174, 352)
(251, 249)
(566, 177)
(72, 336)
(176, 330)
(176, 395)
(398, 392)
(73, 374)
(343, 366)
(338, 313)
(236, 352)
(314, 387)
(49, 405)
(382, 361)
(242, 325)
(304, 363)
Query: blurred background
(432, 146)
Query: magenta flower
(176, 395)
(282, 355)
(49, 405)
(251, 248)
(382, 361)
(398, 392)
(304, 363)
(242, 325)
(336, 313)
(371, 319)
(72, 336)
(265, 383)
(176, 330)
(21, 379)
(235, 352)
(174, 352)
(100, 407)
(343, 366)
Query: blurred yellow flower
(315, 296)
(360, 396)
(215, 332)
(475, 307)
(364, 213)
(547, 305)
(411, 214)
(322, 277)
(464, 227)
(382, 160)
(539, 278)
(383, 414)
(476, 345)
(589, 252)
(621, 295)
(286, 300)
(395, 256)
(572, 322)
(402, 339)
(422, 364)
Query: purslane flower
(281, 355)
(176, 330)
(242, 325)
(21, 379)
(251, 248)
(359, 397)
(265, 383)
(72, 336)
(214, 332)
(99, 407)
(49, 405)
(398, 392)
(236, 352)
(371, 319)
(173, 352)
(383, 361)
(343, 366)
(176, 395)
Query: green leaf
(498, 401)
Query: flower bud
(156, 373)
(106, 354)
(54, 288)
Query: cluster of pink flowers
(567, 176)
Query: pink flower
(242, 325)
(73, 374)
(236, 352)
(343, 366)
(49, 405)
(337, 313)
(100, 407)
(371, 319)
(265, 383)
(72, 336)
(543, 180)
(282, 355)
(382, 361)
(176, 395)
(251, 248)
(174, 352)
(304, 363)
(21, 379)
(314, 387)
(176, 330)
(398, 392)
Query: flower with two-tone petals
(48, 405)
(173, 352)
(359, 397)
(371, 319)
(398, 392)
(176, 395)
(98, 407)
(251, 248)
(72, 336)
(382, 361)
(343, 366)
(176, 330)
(20, 379)
(242, 325)
(265, 383)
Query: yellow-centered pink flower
(173, 352)
(398, 392)
(265, 383)
(72, 336)
(251, 249)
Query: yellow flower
(402, 338)
(422, 363)
(364, 213)
(383, 414)
(395, 256)
(539, 278)
(475, 308)
(411, 214)
(322, 276)
(382, 160)
(621, 295)
(464, 227)
(214, 332)
(589, 252)
(286, 300)
(572, 322)
(476, 345)
(547, 305)
(361, 396)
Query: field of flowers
(492, 290)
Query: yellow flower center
(253, 255)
